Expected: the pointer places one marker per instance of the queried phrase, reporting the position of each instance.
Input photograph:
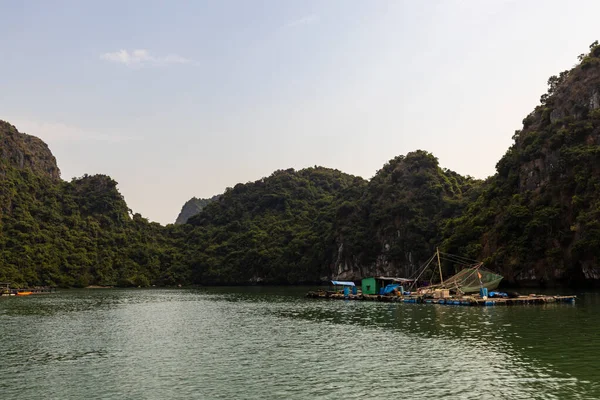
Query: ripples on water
(259, 343)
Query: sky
(176, 99)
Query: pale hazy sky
(175, 99)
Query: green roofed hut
(374, 284)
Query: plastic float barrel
(354, 290)
(490, 303)
(346, 291)
(442, 301)
(483, 292)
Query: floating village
(473, 285)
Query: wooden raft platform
(453, 301)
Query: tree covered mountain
(398, 220)
(74, 233)
(277, 229)
(317, 223)
(537, 219)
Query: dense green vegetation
(396, 223)
(277, 229)
(77, 233)
(73, 233)
(536, 219)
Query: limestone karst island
(300, 200)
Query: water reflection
(273, 343)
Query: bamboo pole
(439, 264)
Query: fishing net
(470, 280)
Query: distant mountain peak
(192, 207)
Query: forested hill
(317, 223)
(71, 233)
(537, 219)
(277, 229)
(398, 220)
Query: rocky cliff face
(563, 120)
(23, 151)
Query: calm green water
(271, 343)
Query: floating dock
(451, 301)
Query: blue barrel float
(346, 291)
(483, 292)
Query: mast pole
(437, 250)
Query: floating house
(473, 286)
(374, 285)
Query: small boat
(24, 293)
